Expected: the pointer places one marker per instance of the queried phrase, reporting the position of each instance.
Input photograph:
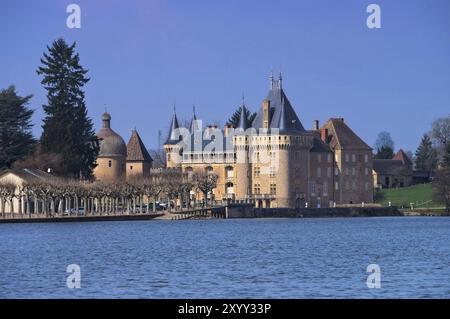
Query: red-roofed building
(395, 172)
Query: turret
(194, 122)
(173, 150)
(139, 160)
(243, 120)
(112, 154)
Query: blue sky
(144, 56)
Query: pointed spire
(106, 119)
(243, 121)
(173, 126)
(280, 80)
(282, 121)
(194, 125)
(136, 150)
(272, 81)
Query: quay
(89, 218)
(214, 212)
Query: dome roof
(111, 143)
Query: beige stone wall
(173, 158)
(220, 169)
(243, 169)
(110, 169)
(283, 179)
(137, 169)
(321, 172)
(355, 176)
(242, 181)
(281, 175)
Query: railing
(261, 196)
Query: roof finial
(271, 80)
(193, 109)
(243, 99)
(280, 80)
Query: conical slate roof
(136, 150)
(173, 137)
(281, 112)
(194, 124)
(243, 120)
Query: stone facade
(395, 172)
(274, 161)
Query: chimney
(316, 125)
(226, 129)
(266, 114)
(324, 135)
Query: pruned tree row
(166, 190)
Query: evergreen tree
(446, 158)
(385, 152)
(426, 157)
(235, 118)
(67, 130)
(16, 139)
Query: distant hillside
(420, 195)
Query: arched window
(229, 172)
(109, 163)
(229, 188)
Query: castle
(272, 162)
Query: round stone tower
(112, 155)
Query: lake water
(247, 258)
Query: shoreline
(235, 212)
(84, 219)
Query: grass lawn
(420, 195)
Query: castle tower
(139, 160)
(243, 168)
(112, 155)
(280, 152)
(171, 147)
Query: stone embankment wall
(247, 211)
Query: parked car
(73, 211)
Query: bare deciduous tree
(205, 182)
(441, 187)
